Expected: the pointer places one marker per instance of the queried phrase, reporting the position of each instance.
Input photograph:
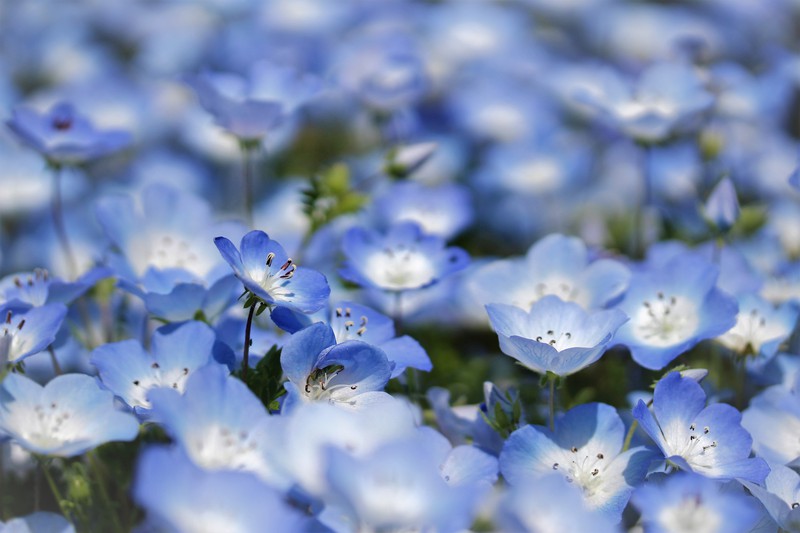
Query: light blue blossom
(405, 258)
(554, 336)
(773, 419)
(672, 307)
(558, 265)
(343, 374)
(38, 288)
(181, 497)
(780, 495)
(38, 522)
(69, 416)
(708, 440)
(586, 448)
(130, 372)
(265, 269)
(63, 136)
(28, 332)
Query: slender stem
(640, 231)
(97, 470)
(248, 177)
(740, 368)
(53, 487)
(398, 312)
(552, 401)
(56, 366)
(247, 342)
(58, 222)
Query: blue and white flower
(780, 496)
(29, 332)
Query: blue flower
(352, 321)
(707, 440)
(672, 307)
(63, 136)
(554, 336)
(38, 522)
(549, 503)
(220, 424)
(69, 416)
(165, 254)
(403, 259)
(26, 333)
(271, 275)
(780, 495)
(343, 374)
(130, 372)
(688, 502)
(183, 497)
(586, 448)
(558, 265)
(773, 419)
(722, 206)
(252, 107)
(38, 288)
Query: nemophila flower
(780, 496)
(686, 502)
(39, 522)
(398, 487)
(130, 372)
(669, 98)
(38, 288)
(253, 107)
(554, 336)
(220, 424)
(405, 258)
(265, 269)
(549, 503)
(672, 307)
(444, 210)
(557, 265)
(773, 419)
(164, 253)
(722, 206)
(67, 417)
(405, 160)
(179, 496)
(586, 448)
(28, 332)
(344, 374)
(63, 136)
(353, 321)
(760, 329)
(707, 440)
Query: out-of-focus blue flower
(405, 258)
(39, 288)
(445, 210)
(586, 448)
(760, 329)
(668, 99)
(265, 269)
(556, 265)
(343, 374)
(165, 253)
(554, 336)
(399, 486)
(722, 206)
(179, 496)
(67, 417)
(707, 440)
(352, 321)
(550, 503)
(688, 502)
(405, 160)
(130, 372)
(773, 419)
(253, 107)
(28, 332)
(220, 424)
(63, 136)
(780, 496)
(672, 307)
(39, 522)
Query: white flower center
(583, 468)
(10, 344)
(274, 282)
(752, 329)
(697, 445)
(320, 383)
(689, 515)
(221, 447)
(174, 378)
(50, 428)
(400, 268)
(666, 320)
(347, 327)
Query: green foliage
(330, 195)
(266, 379)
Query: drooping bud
(722, 206)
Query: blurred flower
(780, 495)
(28, 332)
(38, 522)
(722, 206)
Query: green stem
(97, 471)
(60, 227)
(247, 342)
(56, 366)
(552, 401)
(632, 430)
(53, 487)
(398, 312)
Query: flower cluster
(400, 266)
